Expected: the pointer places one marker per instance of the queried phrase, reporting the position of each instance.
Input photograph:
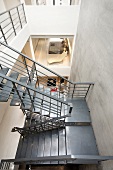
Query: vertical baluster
(24, 12)
(3, 34)
(87, 90)
(19, 17)
(73, 90)
(25, 63)
(12, 22)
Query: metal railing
(11, 22)
(42, 75)
(40, 127)
(53, 107)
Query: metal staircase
(57, 128)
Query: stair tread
(80, 111)
(15, 100)
(3, 71)
(27, 101)
(47, 146)
(62, 144)
(18, 152)
(80, 140)
(41, 144)
(54, 145)
(8, 86)
(62, 147)
(29, 146)
(24, 148)
(37, 101)
(35, 146)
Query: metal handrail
(11, 20)
(31, 88)
(71, 82)
(69, 88)
(54, 111)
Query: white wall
(17, 43)
(11, 3)
(2, 6)
(11, 116)
(63, 71)
(52, 20)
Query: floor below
(41, 53)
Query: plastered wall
(93, 61)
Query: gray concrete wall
(93, 61)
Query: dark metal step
(7, 88)
(3, 71)
(38, 99)
(27, 98)
(34, 152)
(29, 146)
(19, 149)
(80, 112)
(62, 144)
(47, 145)
(15, 100)
(24, 148)
(41, 144)
(46, 103)
(81, 140)
(54, 145)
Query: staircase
(57, 128)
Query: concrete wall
(52, 20)
(93, 61)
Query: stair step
(46, 103)
(15, 100)
(3, 71)
(54, 145)
(7, 89)
(38, 100)
(41, 144)
(47, 145)
(34, 151)
(27, 101)
(80, 140)
(19, 149)
(29, 146)
(62, 144)
(80, 112)
(23, 148)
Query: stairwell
(58, 128)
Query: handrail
(15, 19)
(34, 61)
(33, 89)
(64, 86)
(11, 9)
(44, 66)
